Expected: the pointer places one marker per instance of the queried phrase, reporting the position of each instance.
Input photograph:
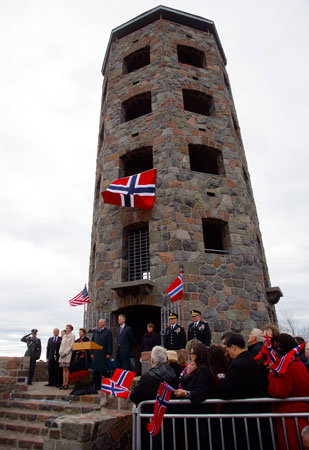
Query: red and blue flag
(281, 365)
(123, 377)
(175, 290)
(136, 191)
(110, 387)
(163, 396)
(80, 298)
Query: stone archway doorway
(137, 318)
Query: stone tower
(167, 104)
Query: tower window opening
(136, 161)
(236, 128)
(206, 159)
(138, 257)
(136, 60)
(215, 234)
(226, 81)
(136, 106)
(198, 102)
(104, 93)
(101, 137)
(97, 188)
(192, 56)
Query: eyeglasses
(192, 353)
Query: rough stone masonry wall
(228, 289)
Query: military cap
(173, 315)
(195, 313)
(34, 330)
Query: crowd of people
(229, 370)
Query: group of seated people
(229, 371)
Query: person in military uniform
(33, 350)
(199, 329)
(175, 336)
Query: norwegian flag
(123, 377)
(267, 352)
(80, 298)
(163, 396)
(110, 387)
(175, 290)
(281, 365)
(137, 191)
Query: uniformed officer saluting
(33, 350)
(199, 329)
(175, 336)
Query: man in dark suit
(124, 342)
(52, 356)
(199, 329)
(244, 379)
(175, 336)
(101, 336)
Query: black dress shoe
(47, 384)
(30, 383)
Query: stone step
(20, 426)
(65, 407)
(28, 416)
(58, 397)
(20, 440)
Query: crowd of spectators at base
(229, 371)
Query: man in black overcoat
(52, 356)
(175, 336)
(124, 342)
(101, 336)
(199, 329)
(244, 379)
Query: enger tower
(167, 104)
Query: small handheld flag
(163, 396)
(80, 298)
(123, 377)
(281, 365)
(175, 290)
(137, 191)
(110, 387)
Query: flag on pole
(110, 387)
(123, 377)
(80, 298)
(175, 290)
(137, 191)
(281, 365)
(163, 396)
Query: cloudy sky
(50, 89)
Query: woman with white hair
(149, 383)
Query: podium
(86, 346)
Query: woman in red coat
(294, 382)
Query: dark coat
(255, 349)
(200, 332)
(244, 379)
(148, 386)
(34, 346)
(124, 342)
(200, 384)
(149, 341)
(80, 360)
(105, 339)
(175, 339)
(52, 350)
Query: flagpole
(183, 307)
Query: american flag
(80, 298)
(137, 191)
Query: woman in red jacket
(294, 382)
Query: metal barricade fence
(231, 431)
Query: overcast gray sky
(50, 90)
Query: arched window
(206, 159)
(136, 106)
(198, 102)
(136, 60)
(190, 55)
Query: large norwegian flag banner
(163, 396)
(123, 377)
(175, 290)
(137, 191)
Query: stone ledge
(273, 295)
(142, 287)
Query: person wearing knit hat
(294, 382)
(199, 329)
